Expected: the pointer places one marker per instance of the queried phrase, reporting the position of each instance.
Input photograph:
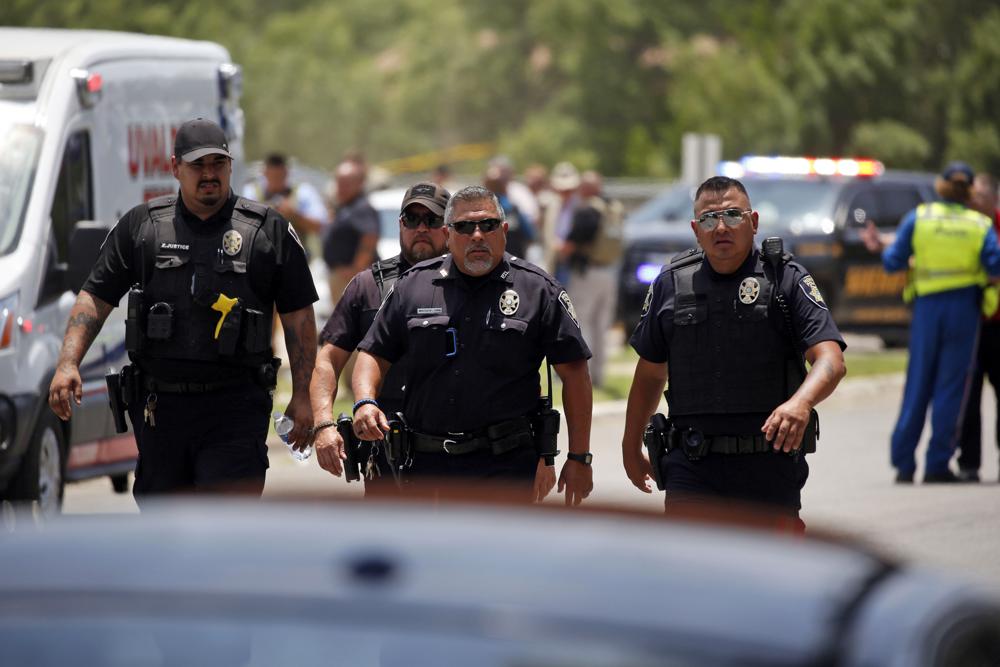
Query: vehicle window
(895, 201)
(676, 204)
(74, 198)
(795, 205)
(19, 148)
(863, 207)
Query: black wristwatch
(585, 459)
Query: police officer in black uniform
(204, 270)
(421, 237)
(729, 326)
(474, 327)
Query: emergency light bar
(763, 165)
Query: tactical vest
(386, 273)
(607, 246)
(947, 242)
(204, 283)
(730, 353)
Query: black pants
(770, 480)
(970, 442)
(213, 441)
(510, 472)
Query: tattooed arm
(300, 340)
(85, 321)
(786, 425)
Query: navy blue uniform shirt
(474, 345)
(811, 321)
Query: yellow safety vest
(947, 242)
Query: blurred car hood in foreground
(417, 583)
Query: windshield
(797, 206)
(19, 148)
(672, 205)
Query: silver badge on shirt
(509, 301)
(749, 290)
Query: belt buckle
(693, 441)
(447, 441)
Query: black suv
(818, 217)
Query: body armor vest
(203, 282)
(386, 273)
(729, 353)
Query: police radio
(545, 424)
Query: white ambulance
(87, 121)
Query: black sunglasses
(414, 220)
(469, 226)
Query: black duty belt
(466, 443)
(695, 444)
(155, 385)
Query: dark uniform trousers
(772, 480)
(212, 441)
(513, 470)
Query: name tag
(429, 311)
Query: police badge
(749, 290)
(509, 301)
(232, 242)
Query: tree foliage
(612, 84)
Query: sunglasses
(414, 220)
(469, 226)
(731, 217)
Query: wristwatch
(585, 458)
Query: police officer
(728, 326)
(954, 252)
(206, 269)
(474, 327)
(421, 237)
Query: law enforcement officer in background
(474, 327)
(421, 237)
(206, 269)
(728, 326)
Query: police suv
(818, 206)
(87, 124)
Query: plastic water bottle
(283, 425)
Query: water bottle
(283, 425)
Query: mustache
(210, 181)
(479, 246)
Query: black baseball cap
(198, 138)
(430, 195)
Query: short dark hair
(276, 160)
(720, 185)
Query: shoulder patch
(809, 287)
(568, 305)
(649, 299)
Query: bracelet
(322, 425)
(364, 401)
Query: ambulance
(87, 122)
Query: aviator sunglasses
(731, 217)
(469, 226)
(414, 220)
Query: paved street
(850, 488)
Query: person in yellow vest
(951, 252)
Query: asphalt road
(850, 489)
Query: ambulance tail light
(765, 165)
(89, 86)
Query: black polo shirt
(474, 345)
(279, 273)
(351, 222)
(349, 323)
(812, 323)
